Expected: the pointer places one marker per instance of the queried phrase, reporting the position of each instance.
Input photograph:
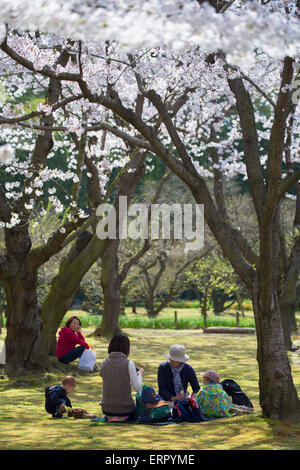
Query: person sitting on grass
(212, 399)
(68, 337)
(118, 375)
(56, 397)
(174, 375)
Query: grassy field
(25, 425)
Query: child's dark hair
(71, 319)
(119, 343)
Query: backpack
(160, 413)
(235, 392)
(155, 415)
(187, 410)
(48, 406)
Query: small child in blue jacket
(56, 397)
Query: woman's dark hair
(71, 319)
(119, 343)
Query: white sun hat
(177, 353)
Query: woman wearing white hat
(175, 375)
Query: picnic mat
(161, 423)
(236, 411)
(133, 421)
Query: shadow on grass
(24, 424)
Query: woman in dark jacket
(175, 375)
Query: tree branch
(127, 266)
(254, 84)
(283, 108)
(250, 143)
(5, 211)
(192, 179)
(288, 183)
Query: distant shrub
(86, 319)
(167, 323)
(184, 303)
(184, 323)
(164, 322)
(247, 305)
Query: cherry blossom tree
(21, 262)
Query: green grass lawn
(24, 424)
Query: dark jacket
(165, 380)
(54, 397)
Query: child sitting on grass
(57, 399)
(211, 398)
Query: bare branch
(254, 84)
(33, 114)
(146, 245)
(288, 183)
(250, 142)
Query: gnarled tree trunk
(288, 298)
(24, 351)
(278, 396)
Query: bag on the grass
(187, 410)
(161, 412)
(150, 407)
(87, 359)
(235, 392)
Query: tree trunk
(55, 306)
(124, 292)
(288, 299)
(2, 308)
(24, 347)
(288, 310)
(111, 283)
(24, 351)
(149, 304)
(240, 303)
(278, 396)
(63, 289)
(204, 306)
(219, 298)
(133, 306)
